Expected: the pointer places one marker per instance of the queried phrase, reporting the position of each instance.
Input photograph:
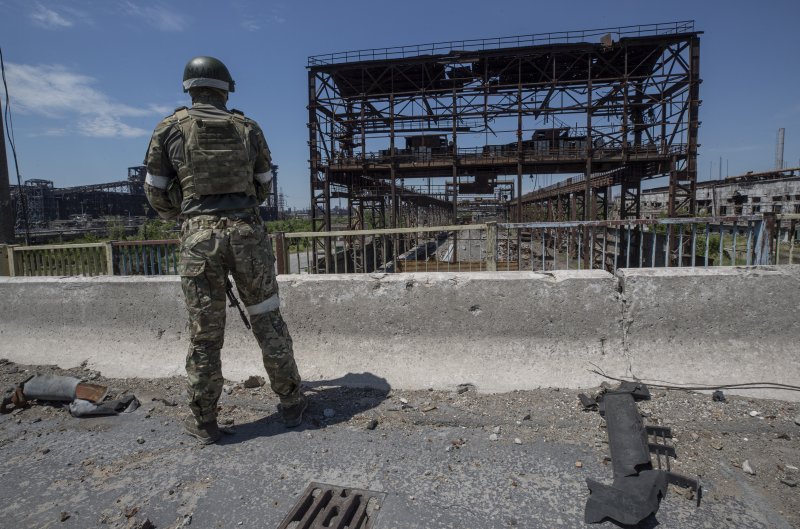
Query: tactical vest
(216, 155)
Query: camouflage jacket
(165, 155)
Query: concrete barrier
(718, 325)
(499, 331)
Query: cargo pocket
(191, 267)
(190, 239)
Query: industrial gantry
(414, 135)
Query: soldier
(211, 167)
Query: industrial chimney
(779, 150)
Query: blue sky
(89, 79)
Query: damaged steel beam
(638, 487)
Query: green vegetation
(289, 225)
(155, 229)
(116, 230)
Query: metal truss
(615, 106)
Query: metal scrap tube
(46, 387)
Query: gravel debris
(714, 434)
(254, 381)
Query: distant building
(46, 203)
(749, 194)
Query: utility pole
(6, 212)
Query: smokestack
(779, 150)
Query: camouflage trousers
(212, 247)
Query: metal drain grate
(329, 507)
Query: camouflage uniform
(221, 234)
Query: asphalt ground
(431, 452)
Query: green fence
(90, 259)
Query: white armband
(160, 182)
(263, 178)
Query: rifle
(233, 301)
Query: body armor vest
(216, 155)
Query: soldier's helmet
(207, 71)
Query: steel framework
(472, 111)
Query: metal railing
(500, 154)
(532, 246)
(149, 258)
(787, 238)
(642, 243)
(59, 260)
(544, 246)
(556, 37)
(420, 249)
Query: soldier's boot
(293, 413)
(207, 433)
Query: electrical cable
(697, 387)
(9, 126)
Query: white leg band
(268, 305)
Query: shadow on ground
(347, 396)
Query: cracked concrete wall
(717, 325)
(500, 331)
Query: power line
(9, 125)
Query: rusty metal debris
(84, 398)
(91, 392)
(332, 507)
(638, 487)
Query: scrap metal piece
(91, 392)
(663, 431)
(85, 408)
(629, 500)
(13, 398)
(637, 488)
(62, 388)
(587, 402)
(331, 507)
(47, 387)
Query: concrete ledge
(122, 326)
(500, 331)
(717, 325)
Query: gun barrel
(235, 302)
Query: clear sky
(89, 79)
